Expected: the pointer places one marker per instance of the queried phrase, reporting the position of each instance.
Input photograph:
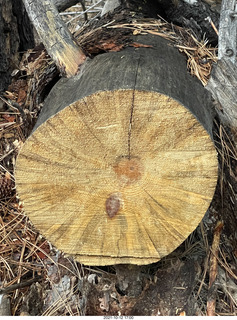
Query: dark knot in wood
(113, 204)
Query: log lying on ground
(121, 166)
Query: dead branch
(55, 36)
(227, 31)
(211, 301)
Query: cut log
(121, 166)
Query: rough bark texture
(55, 36)
(222, 85)
(25, 28)
(5, 305)
(9, 42)
(127, 145)
(16, 36)
(64, 4)
(193, 16)
(227, 31)
(126, 67)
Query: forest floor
(198, 278)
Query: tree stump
(121, 166)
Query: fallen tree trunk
(121, 166)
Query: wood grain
(140, 150)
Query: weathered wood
(227, 41)
(223, 81)
(223, 86)
(135, 64)
(55, 35)
(109, 6)
(5, 305)
(119, 170)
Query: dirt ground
(198, 278)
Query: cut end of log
(120, 176)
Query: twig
(212, 24)
(211, 301)
(14, 106)
(20, 285)
(84, 12)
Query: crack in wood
(131, 116)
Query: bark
(228, 31)
(223, 81)
(5, 306)
(101, 66)
(9, 43)
(222, 85)
(64, 4)
(16, 36)
(25, 28)
(193, 16)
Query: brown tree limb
(55, 36)
(20, 285)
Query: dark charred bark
(16, 36)
(64, 4)
(24, 26)
(9, 42)
(194, 17)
